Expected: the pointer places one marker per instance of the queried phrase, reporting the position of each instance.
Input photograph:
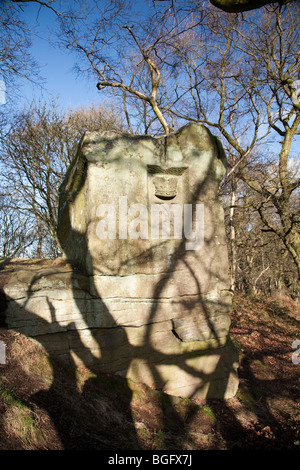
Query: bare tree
(259, 260)
(16, 231)
(126, 52)
(15, 41)
(175, 62)
(47, 4)
(275, 48)
(244, 82)
(237, 75)
(36, 153)
(16, 61)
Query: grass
(20, 422)
(210, 413)
(7, 396)
(246, 398)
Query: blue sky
(55, 66)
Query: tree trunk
(292, 243)
(40, 236)
(233, 248)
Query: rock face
(146, 296)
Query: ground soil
(48, 406)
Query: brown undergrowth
(84, 410)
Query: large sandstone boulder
(145, 295)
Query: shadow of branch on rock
(162, 320)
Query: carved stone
(142, 298)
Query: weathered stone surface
(148, 308)
(111, 166)
(56, 308)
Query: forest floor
(78, 409)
